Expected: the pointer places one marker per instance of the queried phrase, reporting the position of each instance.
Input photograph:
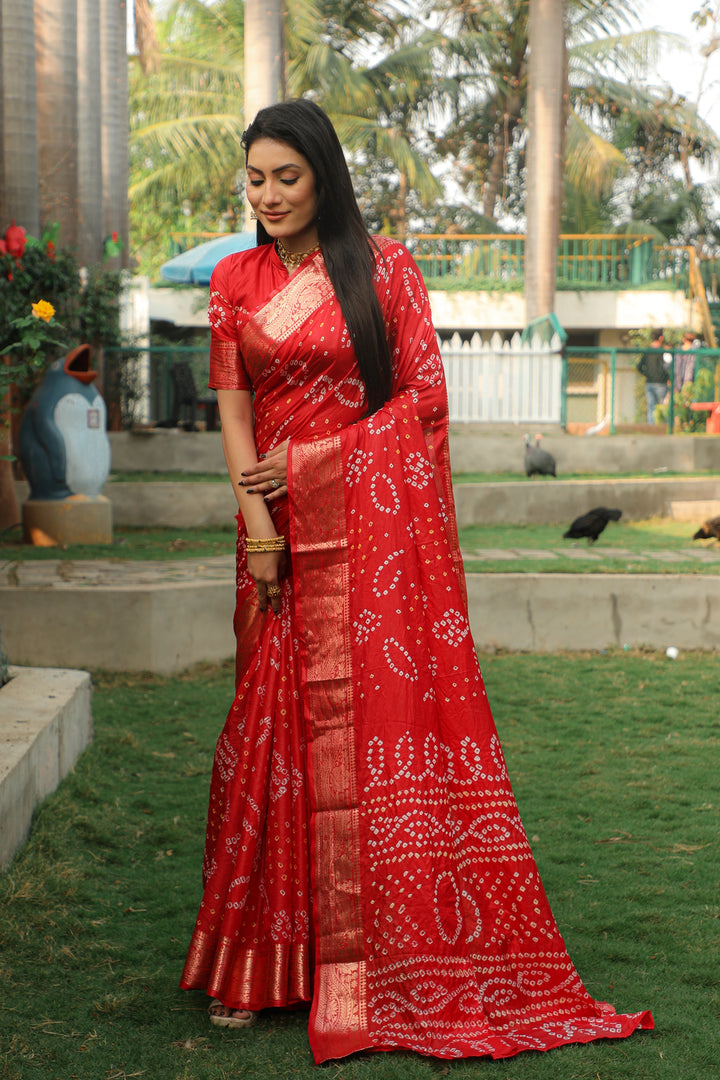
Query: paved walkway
(117, 573)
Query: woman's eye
(254, 183)
(290, 180)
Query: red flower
(50, 250)
(15, 240)
(10, 275)
(115, 237)
(3, 247)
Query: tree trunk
(263, 58)
(114, 113)
(18, 150)
(90, 181)
(9, 511)
(146, 38)
(546, 91)
(57, 114)
(501, 147)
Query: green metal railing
(491, 260)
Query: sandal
(219, 1020)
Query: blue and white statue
(63, 444)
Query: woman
(364, 851)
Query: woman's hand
(266, 568)
(269, 476)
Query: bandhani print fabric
(364, 850)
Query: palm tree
(371, 66)
(186, 122)
(57, 113)
(146, 37)
(19, 167)
(114, 95)
(89, 142)
(488, 46)
(263, 55)
(18, 180)
(546, 120)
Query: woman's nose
(271, 193)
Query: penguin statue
(63, 444)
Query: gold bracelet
(272, 543)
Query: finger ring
(275, 484)
(274, 590)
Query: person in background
(685, 361)
(364, 853)
(652, 365)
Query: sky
(682, 68)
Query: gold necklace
(292, 259)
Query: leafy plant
(38, 279)
(686, 419)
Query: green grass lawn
(625, 547)
(145, 544)
(613, 758)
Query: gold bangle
(272, 543)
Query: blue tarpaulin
(195, 266)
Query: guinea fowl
(591, 524)
(710, 530)
(538, 461)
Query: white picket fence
(503, 381)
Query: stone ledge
(472, 447)
(162, 628)
(167, 628)
(571, 612)
(544, 501)
(695, 511)
(45, 724)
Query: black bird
(537, 460)
(591, 524)
(710, 530)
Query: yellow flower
(43, 310)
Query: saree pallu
(364, 850)
(432, 928)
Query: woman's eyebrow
(281, 168)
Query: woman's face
(281, 190)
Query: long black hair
(346, 246)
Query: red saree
(364, 850)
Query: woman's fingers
(269, 596)
(266, 569)
(269, 475)
(274, 595)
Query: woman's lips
(274, 216)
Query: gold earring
(253, 215)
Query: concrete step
(45, 724)
(694, 510)
(121, 616)
(473, 448)
(166, 617)
(179, 504)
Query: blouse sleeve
(227, 370)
